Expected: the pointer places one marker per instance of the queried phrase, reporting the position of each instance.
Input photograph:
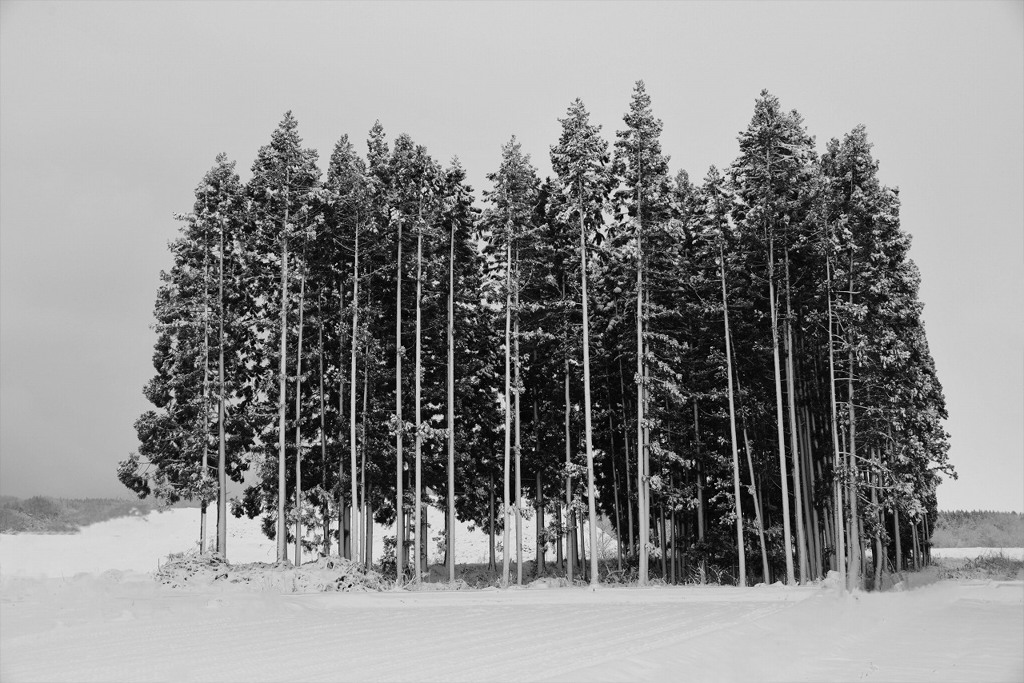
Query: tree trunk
(354, 475)
(641, 447)
(344, 512)
(450, 529)
(325, 513)
(879, 550)
(757, 509)
(664, 546)
(399, 424)
(588, 431)
(423, 533)
(508, 412)
(298, 419)
(898, 538)
(206, 389)
(740, 546)
(282, 533)
(517, 415)
(418, 540)
(629, 481)
(837, 490)
(539, 500)
(558, 540)
(491, 564)
(365, 511)
(345, 531)
(222, 482)
(854, 577)
(916, 546)
(783, 479)
(801, 539)
(672, 540)
(367, 550)
(570, 528)
(615, 488)
(581, 543)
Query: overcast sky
(110, 113)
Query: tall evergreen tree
(581, 162)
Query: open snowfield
(64, 616)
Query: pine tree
(580, 160)
(282, 192)
(199, 333)
(643, 205)
(508, 221)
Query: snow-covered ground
(139, 542)
(956, 553)
(62, 625)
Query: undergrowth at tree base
(325, 575)
(991, 566)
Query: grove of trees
(733, 371)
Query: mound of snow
(326, 575)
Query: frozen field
(1015, 553)
(120, 625)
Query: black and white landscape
(614, 366)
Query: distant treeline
(978, 529)
(40, 514)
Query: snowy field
(82, 608)
(970, 553)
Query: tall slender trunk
(298, 418)
(353, 474)
(418, 540)
(783, 479)
(222, 487)
(538, 502)
(754, 489)
(518, 433)
(898, 538)
(917, 546)
(450, 533)
(558, 539)
(673, 536)
(581, 544)
(365, 510)
(422, 532)
(508, 411)
(399, 424)
(491, 564)
(801, 540)
(925, 544)
(367, 535)
(588, 430)
(664, 546)
(206, 388)
(837, 490)
(615, 488)
(282, 533)
(699, 474)
(757, 508)
(879, 549)
(855, 550)
(570, 527)
(323, 435)
(629, 480)
(740, 546)
(346, 531)
(641, 445)
(810, 510)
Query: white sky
(110, 113)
